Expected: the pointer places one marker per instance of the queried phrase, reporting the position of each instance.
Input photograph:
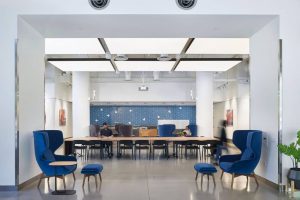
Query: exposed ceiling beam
(183, 51)
(106, 50)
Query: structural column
(80, 103)
(204, 103)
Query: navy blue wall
(140, 115)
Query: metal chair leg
(213, 177)
(40, 182)
(255, 178)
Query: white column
(80, 103)
(204, 103)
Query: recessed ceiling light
(219, 46)
(210, 66)
(73, 46)
(144, 65)
(121, 57)
(88, 66)
(145, 45)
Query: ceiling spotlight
(99, 4)
(186, 4)
(121, 57)
(164, 57)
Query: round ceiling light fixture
(99, 4)
(164, 57)
(121, 57)
(186, 4)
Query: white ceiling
(145, 65)
(153, 26)
(85, 66)
(145, 45)
(73, 46)
(209, 66)
(219, 46)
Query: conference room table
(69, 141)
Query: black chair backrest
(125, 130)
(160, 142)
(142, 142)
(94, 130)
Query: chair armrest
(230, 158)
(65, 158)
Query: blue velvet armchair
(193, 129)
(46, 142)
(249, 142)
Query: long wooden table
(69, 141)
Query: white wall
(57, 96)
(81, 103)
(264, 65)
(31, 96)
(128, 91)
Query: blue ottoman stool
(92, 170)
(205, 169)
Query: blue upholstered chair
(166, 130)
(193, 129)
(46, 142)
(249, 142)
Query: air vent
(99, 4)
(186, 4)
(164, 57)
(121, 57)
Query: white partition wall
(31, 67)
(204, 103)
(264, 69)
(81, 103)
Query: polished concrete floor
(158, 179)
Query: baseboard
(267, 182)
(30, 181)
(8, 188)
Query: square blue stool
(205, 169)
(92, 170)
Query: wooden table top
(88, 138)
(63, 163)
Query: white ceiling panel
(73, 46)
(219, 46)
(145, 45)
(145, 65)
(86, 66)
(214, 66)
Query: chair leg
(83, 180)
(202, 179)
(255, 178)
(232, 179)
(196, 176)
(213, 177)
(40, 181)
(74, 176)
(64, 181)
(96, 181)
(247, 181)
(222, 174)
(100, 177)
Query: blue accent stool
(92, 170)
(166, 130)
(249, 142)
(205, 169)
(193, 129)
(46, 142)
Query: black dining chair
(160, 145)
(142, 145)
(96, 146)
(125, 131)
(81, 145)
